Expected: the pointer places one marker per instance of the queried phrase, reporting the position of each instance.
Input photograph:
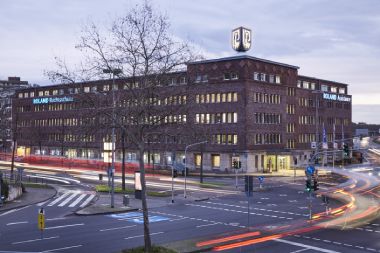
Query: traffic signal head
(346, 150)
(235, 164)
(239, 164)
(308, 185)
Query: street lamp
(113, 72)
(188, 146)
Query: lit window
(20, 95)
(306, 85)
(86, 89)
(342, 90)
(26, 95)
(32, 94)
(278, 79)
(312, 86)
(334, 89)
(55, 92)
(215, 160)
(235, 97)
(197, 159)
(106, 87)
(46, 93)
(299, 84)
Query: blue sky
(335, 40)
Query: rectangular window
(55, 92)
(32, 94)
(278, 79)
(197, 160)
(93, 88)
(324, 87)
(312, 86)
(46, 93)
(182, 80)
(235, 97)
(218, 98)
(212, 98)
(226, 76)
(106, 87)
(229, 97)
(256, 76)
(306, 85)
(334, 89)
(263, 77)
(235, 117)
(271, 78)
(205, 78)
(299, 84)
(198, 79)
(20, 95)
(215, 161)
(342, 91)
(234, 76)
(86, 89)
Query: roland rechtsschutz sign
(37, 101)
(241, 39)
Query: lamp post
(188, 146)
(113, 72)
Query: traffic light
(346, 150)
(315, 185)
(239, 164)
(235, 164)
(308, 185)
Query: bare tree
(140, 45)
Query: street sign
(261, 179)
(325, 145)
(41, 219)
(310, 170)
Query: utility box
(100, 177)
(125, 200)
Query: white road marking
(14, 210)
(206, 225)
(34, 240)
(306, 246)
(300, 250)
(59, 199)
(137, 236)
(183, 218)
(108, 229)
(16, 223)
(43, 203)
(77, 200)
(64, 226)
(60, 218)
(69, 199)
(70, 247)
(87, 200)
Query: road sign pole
(310, 206)
(248, 195)
(236, 179)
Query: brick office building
(257, 111)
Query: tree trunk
(123, 160)
(13, 157)
(147, 241)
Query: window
(235, 97)
(87, 89)
(312, 86)
(46, 93)
(20, 95)
(271, 78)
(55, 92)
(215, 160)
(115, 87)
(93, 88)
(26, 95)
(299, 84)
(204, 78)
(278, 79)
(32, 94)
(306, 85)
(263, 77)
(226, 76)
(342, 91)
(324, 87)
(256, 76)
(198, 78)
(234, 76)
(197, 160)
(182, 80)
(106, 87)
(172, 81)
(334, 89)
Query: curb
(33, 203)
(110, 212)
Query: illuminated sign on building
(37, 101)
(241, 39)
(336, 97)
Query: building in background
(260, 112)
(363, 129)
(7, 90)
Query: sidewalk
(30, 197)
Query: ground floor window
(197, 160)
(215, 160)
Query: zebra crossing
(70, 199)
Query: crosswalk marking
(77, 200)
(59, 199)
(69, 199)
(87, 200)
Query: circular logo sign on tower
(241, 39)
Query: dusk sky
(334, 40)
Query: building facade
(7, 90)
(259, 112)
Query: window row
(291, 143)
(72, 137)
(266, 77)
(216, 97)
(224, 139)
(267, 118)
(306, 138)
(65, 122)
(306, 120)
(266, 98)
(216, 118)
(267, 139)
